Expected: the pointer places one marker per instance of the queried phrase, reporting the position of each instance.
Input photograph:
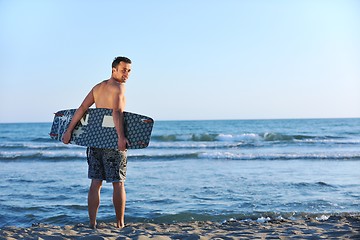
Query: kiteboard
(96, 128)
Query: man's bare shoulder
(110, 87)
(99, 85)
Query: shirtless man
(107, 164)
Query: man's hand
(66, 137)
(122, 143)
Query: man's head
(121, 67)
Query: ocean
(192, 170)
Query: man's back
(106, 92)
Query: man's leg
(119, 201)
(94, 201)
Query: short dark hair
(117, 60)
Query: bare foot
(120, 225)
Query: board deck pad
(96, 128)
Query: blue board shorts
(106, 164)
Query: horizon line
(230, 119)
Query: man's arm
(118, 116)
(88, 101)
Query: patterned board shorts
(106, 164)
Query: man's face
(121, 72)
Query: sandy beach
(335, 227)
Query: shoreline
(333, 227)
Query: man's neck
(115, 80)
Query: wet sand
(335, 227)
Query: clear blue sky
(192, 59)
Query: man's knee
(118, 184)
(96, 184)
